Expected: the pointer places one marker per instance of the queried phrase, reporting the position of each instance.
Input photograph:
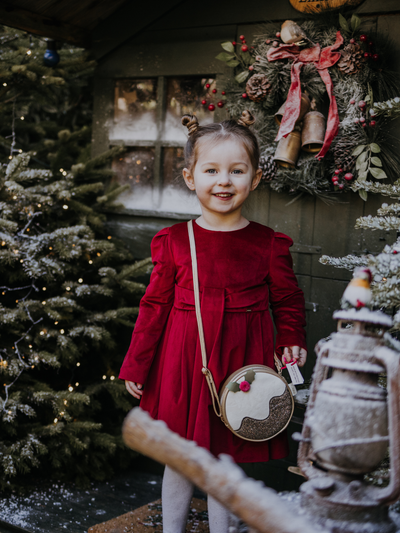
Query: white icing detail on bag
(254, 403)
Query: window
(147, 118)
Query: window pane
(176, 197)
(173, 163)
(135, 110)
(184, 95)
(136, 167)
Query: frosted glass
(184, 95)
(135, 104)
(136, 167)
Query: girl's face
(223, 176)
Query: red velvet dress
(241, 273)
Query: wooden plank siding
(186, 43)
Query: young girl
(243, 268)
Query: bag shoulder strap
(206, 371)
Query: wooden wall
(186, 41)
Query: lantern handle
(390, 359)
(305, 453)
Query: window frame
(158, 144)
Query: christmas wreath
(316, 88)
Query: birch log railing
(258, 506)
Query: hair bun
(191, 122)
(246, 119)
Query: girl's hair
(220, 131)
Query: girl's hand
(296, 353)
(134, 388)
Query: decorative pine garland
(363, 143)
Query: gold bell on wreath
(313, 132)
(288, 150)
(304, 108)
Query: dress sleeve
(286, 298)
(154, 309)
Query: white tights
(177, 493)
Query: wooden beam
(126, 22)
(258, 506)
(22, 19)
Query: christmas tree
(385, 266)
(38, 100)
(69, 292)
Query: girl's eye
(211, 171)
(237, 171)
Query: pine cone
(344, 158)
(258, 87)
(269, 168)
(352, 59)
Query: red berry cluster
(211, 105)
(368, 47)
(338, 177)
(244, 47)
(364, 120)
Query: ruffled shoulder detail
(164, 231)
(283, 240)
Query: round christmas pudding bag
(256, 403)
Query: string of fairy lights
(35, 359)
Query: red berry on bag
(244, 95)
(363, 38)
(203, 102)
(214, 91)
(241, 37)
(372, 123)
(349, 176)
(211, 107)
(220, 104)
(245, 48)
(251, 67)
(207, 85)
(337, 172)
(278, 34)
(244, 386)
(223, 93)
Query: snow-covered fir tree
(69, 292)
(385, 266)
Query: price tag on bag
(294, 373)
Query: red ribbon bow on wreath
(322, 59)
